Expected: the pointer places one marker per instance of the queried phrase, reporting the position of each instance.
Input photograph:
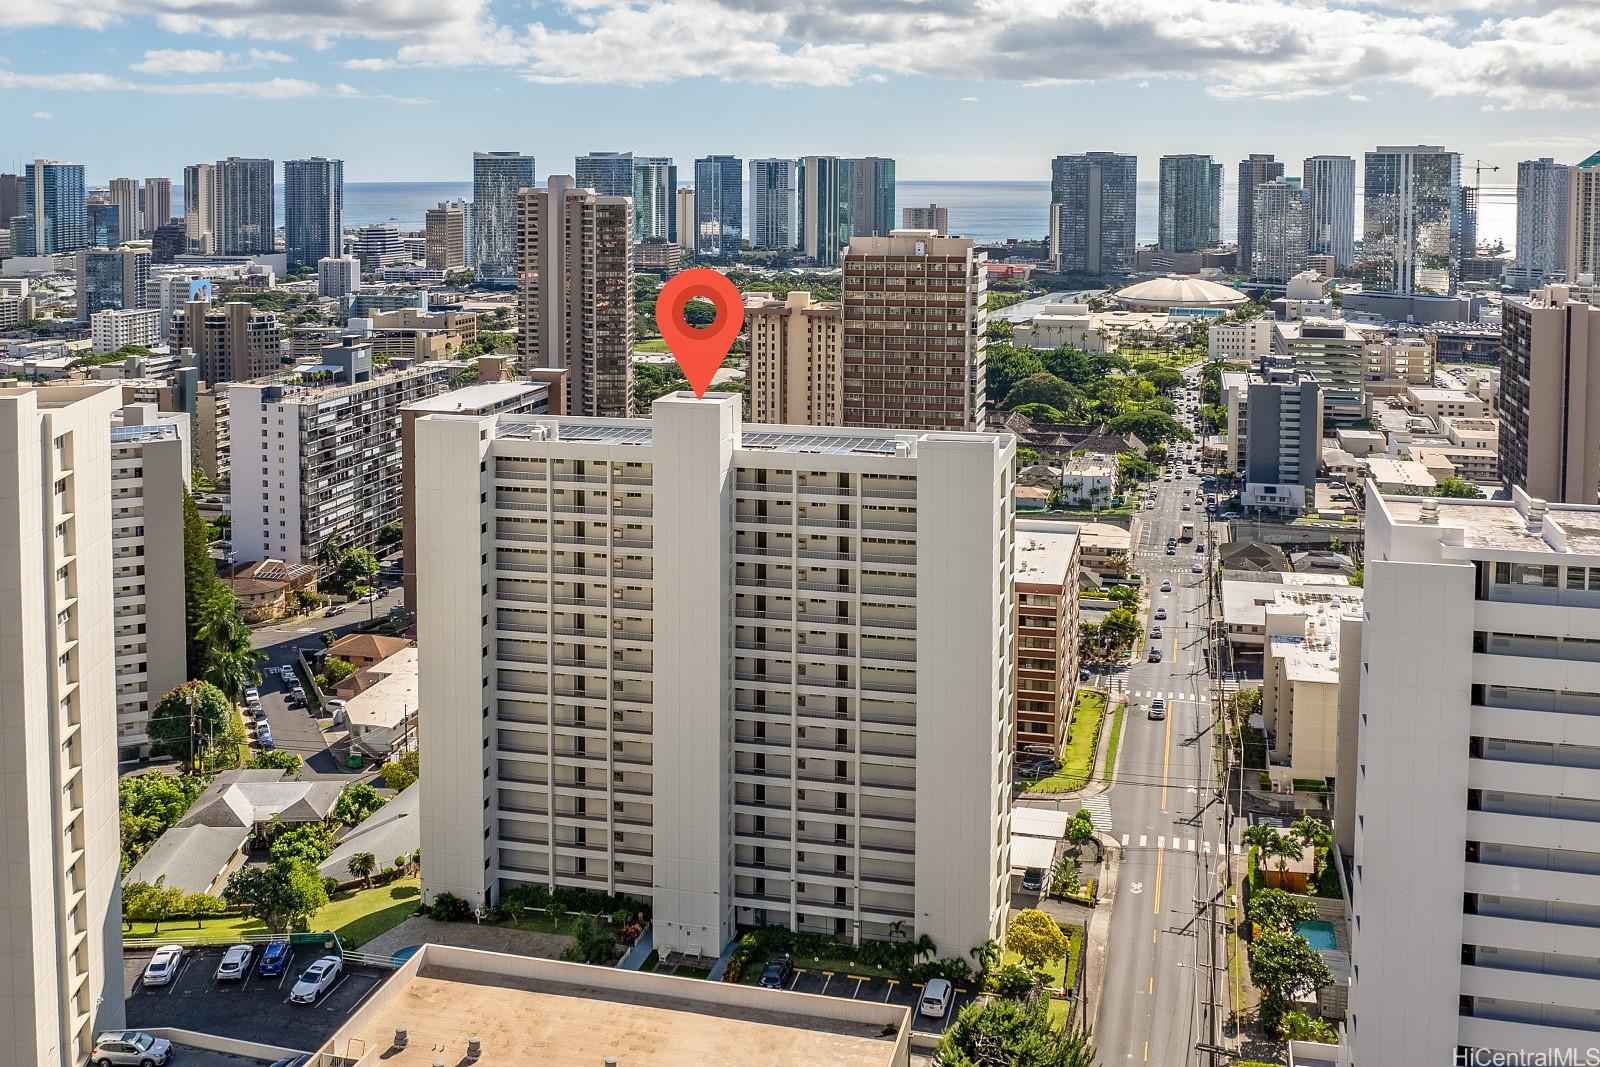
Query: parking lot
(252, 1009)
(882, 990)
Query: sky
(406, 90)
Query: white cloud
(198, 61)
(43, 116)
(969, 100)
(264, 89)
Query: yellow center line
(1147, 1052)
(1151, 988)
(1160, 855)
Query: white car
(936, 996)
(1166, 585)
(235, 963)
(133, 1047)
(252, 694)
(317, 980)
(163, 965)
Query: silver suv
(130, 1047)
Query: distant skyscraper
(1469, 221)
(1191, 203)
(1583, 220)
(1549, 394)
(575, 294)
(111, 279)
(168, 242)
(718, 208)
(496, 178)
(824, 206)
(655, 200)
(686, 218)
(1093, 211)
(11, 198)
(1330, 184)
(445, 234)
(378, 245)
(773, 185)
(200, 207)
(607, 173)
(1411, 219)
(246, 213)
(871, 211)
(933, 217)
(1260, 167)
(157, 203)
(1278, 212)
(1541, 218)
(125, 195)
(104, 224)
(313, 210)
(54, 216)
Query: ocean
(987, 211)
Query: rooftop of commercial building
(1044, 552)
(478, 397)
(565, 1013)
(1244, 603)
(1311, 655)
(1386, 470)
(1430, 395)
(1501, 525)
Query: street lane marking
(1156, 907)
(1166, 762)
(1124, 840)
(1143, 840)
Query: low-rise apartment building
(1089, 479)
(1475, 880)
(1239, 342)
(754, 675)
(315, 453)
(1046, 595)
(114, 328)
(1445, 403)
(1309, 634)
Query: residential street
(1163, 813)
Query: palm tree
(1260, 836)
(1311, 832)
(361, 866)
(227, 660)
(1283, 848)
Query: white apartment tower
(149, 473)
(756, 676)
(774, 184)
(1476, 887)
(60, 917)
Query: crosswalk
(1179, 844)
(1099, 808)
(1169, 695)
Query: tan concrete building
(1304, 644)
(444, 231)
(1549, 402)
(233, 343)
(1334, 353)
(1045, 581)
(933, 217)
(60, 930)
(1583, 220)
(411, 333)
(575, 292)
(913, 350)
(1396, 363)
(796, 365)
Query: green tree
(1259, 835)
(400, 773)
(1312, 832)
(279, 895)
(202, 906)
(1458, 488)
(150, 804)
(1149, 424)
(361, 866)
(1164, 378)
(227, 659)
(1280, 850)
(277, 759)
(1285, 967)
(1012, 1033)
(310, 844)
(356, 569)
(1005, 367)
(654, 380)
(591, 942)
(335, 670)
(187, 722)
(1037, 938)
(1042, 388)
(1064, 880)
(152, 904)
(199, 578)
(358, 801)
(1119, 629)
(1043, 414)
(1275, 909)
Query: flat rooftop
(535, 1016)
(1043, 552)
(480, 397)
(1501, 525)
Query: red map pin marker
(699, 350)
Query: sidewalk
(1097, 932)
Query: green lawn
(1077, 759)
(1111, 745)
(357, 916)
(653, 344)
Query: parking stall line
(376, 982)
(327, 997)
(827, 977)
(887, 993)
(858, 980)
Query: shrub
(446, 907)
(1012, 980)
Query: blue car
(274, 959)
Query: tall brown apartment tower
(233, 343)
(575, 292)
(445, 236)
(1549, 402)
(913, 332)
(795, 367)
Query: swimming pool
(1318, 934)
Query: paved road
(1163, 813)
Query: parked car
(777, 972)
(1033, 879)
(936, 996)
(1158, 708)
(274, 958)
(163, 965)
(130, 1047)
(252, 694)
(316, 980)
(337, 609)
(298, 692)
(235, 963)
(333, 705)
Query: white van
(936, 996)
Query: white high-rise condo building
(157, 204)
(773, 186)
(1541, 218)
(200, 207)
(1280, 213)
(313, 210)
(125, 195)
(496, 178)
(754, 676)
(1476, 875)
(60, 917)
(1412, 220)
(1258, 168)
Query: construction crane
(1478, 167)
